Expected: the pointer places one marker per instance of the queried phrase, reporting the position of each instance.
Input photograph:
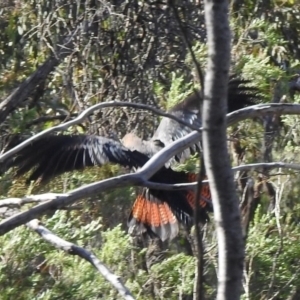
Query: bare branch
(139, 178)
(85, 114)
(63, 200)
(272, 165)
(232, 118)
(73, 249)
(261, 110)
(18, 202)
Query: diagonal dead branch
(148, 170)
(73, 249)
(29, 84)
(139, 178)
(18, 202)
(260, 110)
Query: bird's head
(133, 142)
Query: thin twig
(272, 165)
(199, 72)
(198, 284)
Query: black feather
(239, 95)
(54, 155)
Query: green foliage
(190, 165)
(179, 90)
(175, 275)
(40, 271)
(124, 58)
(272, 257)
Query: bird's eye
(159, 143)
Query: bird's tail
(158, 212)
(151, 215)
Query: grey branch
(232, 118)
(73, 249)
(261, 110)
(18, 202)
(84, 115)
(141, 177)
(138, 178)
(271, 165)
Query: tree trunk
(217, 162)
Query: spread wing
(54, 155)
(239, 95)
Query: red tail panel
(205, 200)
(157, 212)
(151, 215)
